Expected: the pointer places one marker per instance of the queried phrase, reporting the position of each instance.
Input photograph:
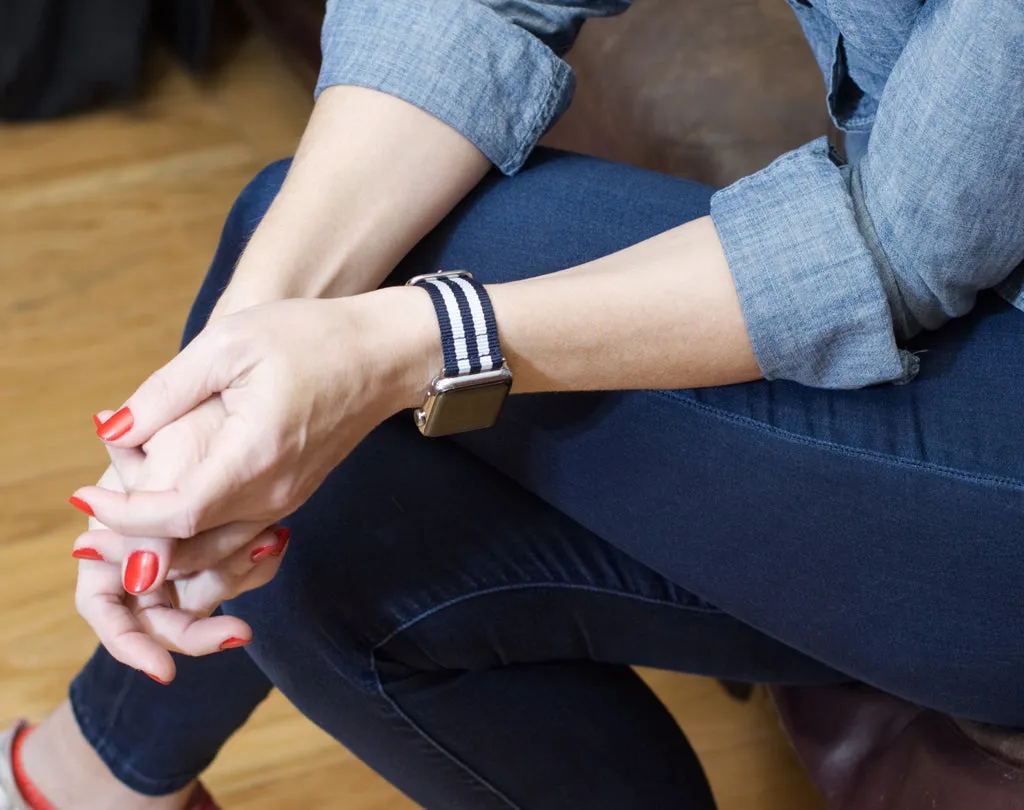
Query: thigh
(415, 556)
(875, 530)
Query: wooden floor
(107, 222)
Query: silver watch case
(464, 403)
(459, 404)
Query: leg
(471, 644)
(156, 740)
(876, 530)
(406, 624)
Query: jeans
(471, 641)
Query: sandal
(11, 798)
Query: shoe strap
(10, 796)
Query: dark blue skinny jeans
(462, 613)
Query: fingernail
(233, 642)
(97, 421)
(282, 533)
(116, 426)
(140, 571)
(162, 683)
(81, 506)
(86, 554)
(262, 552)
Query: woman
(462, 612)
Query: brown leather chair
(713, 91)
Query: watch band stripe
(468, 324)
(481, 360)
(469, 333)
(445, 322)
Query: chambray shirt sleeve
(837, 266)
(491, 69)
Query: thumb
(146, 560)
(202, 369)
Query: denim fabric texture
(471, 642)
(836, 267)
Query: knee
(246, 213)
(307, 624)
(253, 201)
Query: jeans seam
(498, 794)
(473, 595)
(981, 479)
(113, 756)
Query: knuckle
(188, 520)
(223, 337)
(159, 386)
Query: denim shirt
(836, 265)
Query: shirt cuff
(813, 300)
(458, 60)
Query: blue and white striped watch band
(469, 335)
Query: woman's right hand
(193, 576)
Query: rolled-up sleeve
(837, 266)
(490, 69)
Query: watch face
(469, 408)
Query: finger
(183, 632)
(145, 564)
(210, 548)
(253, 565)
(195, 505)
(99, 600)
(203, 368)
(264, 552)
(99, 545)
(109, 480)
(129, 464)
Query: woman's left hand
(301, 381)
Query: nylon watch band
(469, 334)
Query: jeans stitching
(486, 592)
(982, 479)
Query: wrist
(401, 341)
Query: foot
(1007, 744)
(63, 766)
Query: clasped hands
(220, 444)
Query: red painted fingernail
(233, 642)
(97, 421)
(162, 683)
(262, 552)
(86, 554)
(282, 533)
(116, 426)
(81, 506)
(140, 571)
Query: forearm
(661, 314)
(371, 177)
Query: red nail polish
(140, 571)
(283, 533)
(233, 642)
(116, 426)
(97, 421)
(86, 554)
(262, 552)
(81, 506)
(155, 678)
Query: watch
(470, 390)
